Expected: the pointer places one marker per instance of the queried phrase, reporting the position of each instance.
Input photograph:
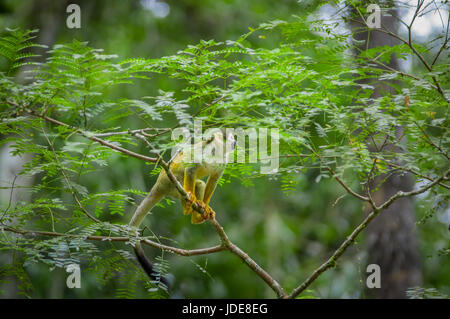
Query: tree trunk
(392, 236)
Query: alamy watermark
(74, 279)
(374, 19)
(73, 20)
(374, 279)
(258, 148)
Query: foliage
(305, 81)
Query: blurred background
(287, 234)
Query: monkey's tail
(144, 207)
(148, 267)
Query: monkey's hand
(198, 218)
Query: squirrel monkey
(214, 151)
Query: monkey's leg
(197, 218)
(199, 189)
(209, 190)
(189, 187)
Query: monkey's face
(231, 141)
(228, 140)
(218, 148)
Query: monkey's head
(221, 136)
(219, 146)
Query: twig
(10, 198)
(447, 38)
(106, 134)
(331, 262)
(93, 137)
(400, 194)
(387, 67)
(248, 260)
(428, 139)
(67, 180)
(348, 189)
(175, 250)
(414, 172)
(374, 164)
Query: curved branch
(175, 250)
(410, 170)
(400, 194)
(248, 261)
(91, 137)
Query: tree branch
(175, 250)
(248, 260)
(91, 137)
(414, 172)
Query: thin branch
(331, 262)
(10, 198)
(447, 38)
(348, 189)
(91, 137)
(389, 68)
(428, 139)
(106, 134)
(67, 180)
(414, 172)
(400, 194)
(175, 250)
(248, 260)
(369, 177)
(421, 58)
(374, 164)
(440, 51)
(419, 4)
(337, 178)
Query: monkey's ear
(231, 140)
(210, 139)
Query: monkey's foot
(198, 218)
(187, 204)
(210, 214)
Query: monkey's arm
(211, 186)
(190, 177)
